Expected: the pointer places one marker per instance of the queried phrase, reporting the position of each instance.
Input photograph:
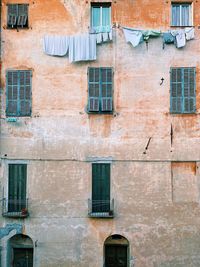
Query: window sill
(173, 26)
(17, 28)
(15, 214)
(101, 214)
(192, 113)
(100, 112)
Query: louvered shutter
(17, 187)
(100, 187)
(22, 20)
(189, 93)
(12, 93)
(12, 15)
(25, 93)
(93, 89)
(176, 90)
(106, 90)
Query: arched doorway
(116, 251)
(21, 251)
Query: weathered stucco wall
(156, 201)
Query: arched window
(116, 251)
(20, 251)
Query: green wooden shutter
(189, 92)
(93, 89)
(100, 187)
(12, 15)
(17, 187)
(22, 20)
(106, 90)
(25, 93)
(12, 93)
(176, 90)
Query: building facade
(100, 142)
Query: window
(17, 16)
(100, 98)
(101, 17)
(16, 203)
(101, 205)
(18, 93)
(181, 14)
(183, 95)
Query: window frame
(183, 97)
(180, 4)
(18, 112)
(100, 5)
(26, 26)
(100, 111)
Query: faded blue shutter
(189, 90)
(176, 15)
(93, 89)
(96, 17)
(22, 20)
(25, 93)
(176, 90)
(106, 90)
(106, 20)
(185, 15)
(12, 93)
(12, 15)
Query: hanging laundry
(56, 45)
(189, 33)
(168, 38)
(82, 47)
(133, 36)
(180, 39)
(102, 37)
(150, 33)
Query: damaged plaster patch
(78, 11)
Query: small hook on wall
(162, 80)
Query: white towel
(189, 33)
(82, 47)
(132, 36)
(56, 45)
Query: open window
(17, 16)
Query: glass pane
(96, 20)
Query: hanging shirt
(133, 36)
(82, 47)
(189, 33)
(56, 45)
(180, 39)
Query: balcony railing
(101, 208)
(15, 208)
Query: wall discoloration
(156, 201)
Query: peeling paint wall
(156, 189)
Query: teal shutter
(22, 20)
(96, 17)
(12, 15)
(25, 93)
(106, 90)
(17, 187)
(100, 187)
(106, 19)
(12, 93)
(183, 95)
(18, 93)
(93, 89)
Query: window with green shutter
(100, 187)
(183, 90)
(101, 17)
(17, 16)
(100, 90)
(18, 99)
(17, 174)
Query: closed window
(181, 14)
(100, 187)
(101, 17)
(183, 90)
(18, 93)
(17, 16)
(17, 187)
(100, 83)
